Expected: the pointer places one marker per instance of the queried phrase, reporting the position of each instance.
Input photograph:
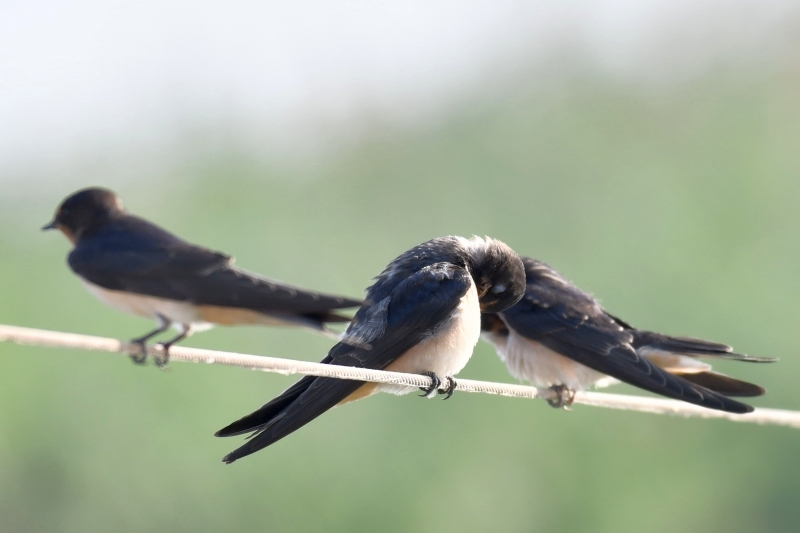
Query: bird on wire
(135, 266)
(422, 315)
(558, 336)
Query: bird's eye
(499, 288)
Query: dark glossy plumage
(418, 305)
(131, 254)
(413, 299)
(572, 323)
(121, 252)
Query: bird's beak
(52, 225)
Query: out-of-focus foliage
(678, 207)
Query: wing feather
(136, 256)
(571, 322)
(416, 308)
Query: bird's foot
(141, 357)
(162, 359)
(451, 387)
(564, 397)
(430, 392)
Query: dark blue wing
(570, 322)
(417, 307)
(131, 250)
(136, 256)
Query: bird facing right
(558, 336)
(422, 315)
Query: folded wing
(379, 334)
(572, 323)
(153, 262)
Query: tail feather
(331, 317)
(645, 341)
(659, 381)
(261, 418)
(288, 413)
(298, 405)
(625, 364)
(235, 287)
(315, 321)
(726, 385)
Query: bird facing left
(422, 315)
(137, 267)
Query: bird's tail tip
(756, 359)
(725, 385)
(723, 403)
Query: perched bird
(135, 266)
(558, 336)
(422, 315)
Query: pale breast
(147, 306)
(532, 361)
(446, 352)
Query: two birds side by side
(424, 314)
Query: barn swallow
(135, 266)
(422, 315)
(558, 336)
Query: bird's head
(498, 273)
(84, 211)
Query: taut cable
(55, 339)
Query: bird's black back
(572, 323)
(133, 255)
(414, 295)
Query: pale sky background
(85, 77)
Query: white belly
(447, 352)
(532, 361)
(147, 306)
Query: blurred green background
(676, 205)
